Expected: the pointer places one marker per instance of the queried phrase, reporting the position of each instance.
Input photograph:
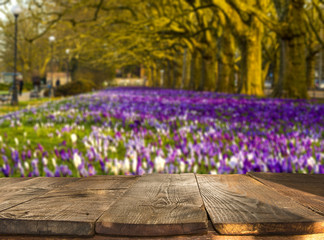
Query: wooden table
(186, 206)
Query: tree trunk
(202, 74)
(192, 71)
(184, 69)
(210, 84)
(295, 83)
(310, 70)
(152, 78)
(265, 72)
(226, 64)
(174, 74)
(168, 74)
(252, 61)
(275, 70)
(294, 68)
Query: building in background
(6, 77)
(62, 76)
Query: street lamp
(67, 51)
(52, 40)
(16, 10)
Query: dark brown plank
(307, 189)
(71, 210)
(157, 205)
(22, 191)
(238, 204)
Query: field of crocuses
(141, 130)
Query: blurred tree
(289, 25)
(199, 44)
(248, 30)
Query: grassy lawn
(137, 131)
(7, 108)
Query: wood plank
(211, 235)
(157, 205)
(40, 183)
(102, 183)
(307, 189)
(22, 191)
(6, 181)
(240, 205)
(190, 237)
(71, 210)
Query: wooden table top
(163, 206)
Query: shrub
(28, 85)
(74, 88)
(4, 87)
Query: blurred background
(254, 47)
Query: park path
(25, 96)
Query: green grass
(7, 108)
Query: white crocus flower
(311, 162)
(45, 161)
(233, 162)
(182, 167)
(134, 165)
(250, 156)
(126, 166)
(74, 138)
(76, 160)
(112, 149)
(54, 162)
(213, 172)
(16, 141)
(26, 165)
(159, 163)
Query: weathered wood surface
(6, 181)
(238, 204)
(17, 192)
(72, 210)
(307, 189)
(157, 205)
(211, 235)
(271, 204)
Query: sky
(6, 7)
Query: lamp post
(16, 10)
(67, 51)
(320, 62)
(52, 40)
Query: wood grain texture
(239, 205)
(157, 205)
(307, 189)
(22, 191)
(71, 210)
(6, 181)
